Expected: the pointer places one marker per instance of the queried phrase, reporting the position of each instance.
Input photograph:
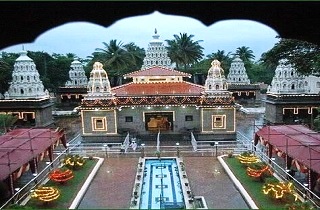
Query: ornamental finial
(155, 31)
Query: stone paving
(113, 184)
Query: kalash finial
(155, 31)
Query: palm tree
(183, 50)
(115, 59)
(245, 54)
(225, 59)
(136, 53)
(114, 55)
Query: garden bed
(68, 190)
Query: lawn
(252, 186)
(68, 190)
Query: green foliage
(271, 180)
(316, 121)
(304, 56)
(258, 72)
(184, 51)
(118, 59)
(252, 187)
(6, 68)
(68, 191)
(74, 162)
(6, 121)
(307, 205)
(53, 70)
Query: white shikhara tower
(156, 54)
(26, 83)
(287, 81)
(77, 76)
(237, 72)
(99, 84)
(216, 82)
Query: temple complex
(239, 82)
(72, 93)
(291, 97)
(158, 100)
(26, 97)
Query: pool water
(161, 186)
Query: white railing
(158, 142)
(193, 142)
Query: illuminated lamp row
(149, 107)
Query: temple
(158, 99)
(75, 88)
(291, 97)
(26, 97)
(239, 82)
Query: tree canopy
(304, 56)
(183, 50)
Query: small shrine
(75, 88)
(239, 82)
(26, 97)
(290, 98)
(158, 99)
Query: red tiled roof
(157, 71)
(167, 88)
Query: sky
(82, 38)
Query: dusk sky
(82, 38)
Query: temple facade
(291, 97)
(239, 82)
(26, 97)
(75, 88)
(158, 99)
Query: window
(129, 119)
(218, 121)
(189, 118)
(99, 124)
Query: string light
(46, 194)
(258, 172)
(248, 158)
(280, 190)
(61, 176)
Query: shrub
(259, 171)
(282, 191)
(73, 162)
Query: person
(134, 146)
(122, 148)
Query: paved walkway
(112, 186)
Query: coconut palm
(245, 54)
(183, 50)
(114, 56)
(137, 55)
